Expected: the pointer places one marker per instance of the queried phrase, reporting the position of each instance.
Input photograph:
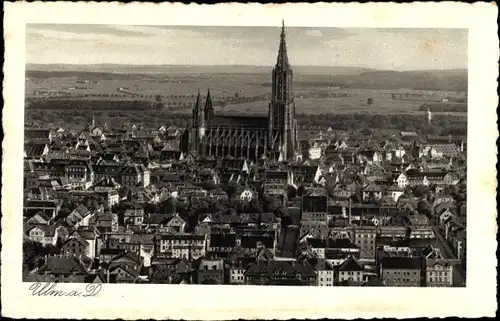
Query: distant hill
(454, 80)
(326, 76)
(185, 69)
(445, 80)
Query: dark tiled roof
(330, 255)
(316, 242)
(36, 133)
(239, 121)
(315, 203)
(351, 264)
(34, 150)
(115, 252)
(276, 175)
(156, 219)
(36, 203)
(58, 265)
(407, 263)
(341, 244)
(132, 272)
(222, 240)
(251, 241)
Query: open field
(250, 92)
(355, 102)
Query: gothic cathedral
(274, 136)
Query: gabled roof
(34, 150)
(372, 188)
(394, 188)
(82, 210)
(132, 272)
(59, 265)
(177, 217)
(351, 264)
(40, 218)
(128, 256)
(77, 238)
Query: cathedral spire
(282, 53)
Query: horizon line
(234, 65)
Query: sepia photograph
(288, 156)
(199, 162)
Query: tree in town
(424, 207)
(270, 204)
(64, 212)
(420, 191)
(291, 191)
(209, 185)
(232, 189)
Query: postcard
(242, 161)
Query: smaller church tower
(196, 110)
(198, 126)
(209, 108)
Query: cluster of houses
(344, 212)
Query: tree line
(441, 125)
(445, 107)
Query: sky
(388, 49)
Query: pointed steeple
(282, 53)
(209, 108)
(92, 122)
(208, 102)
(198, 100)
(196, 109)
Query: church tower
(282, 107)
(209, 108)
(198, 127)
(196, 111)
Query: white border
(229, 302)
